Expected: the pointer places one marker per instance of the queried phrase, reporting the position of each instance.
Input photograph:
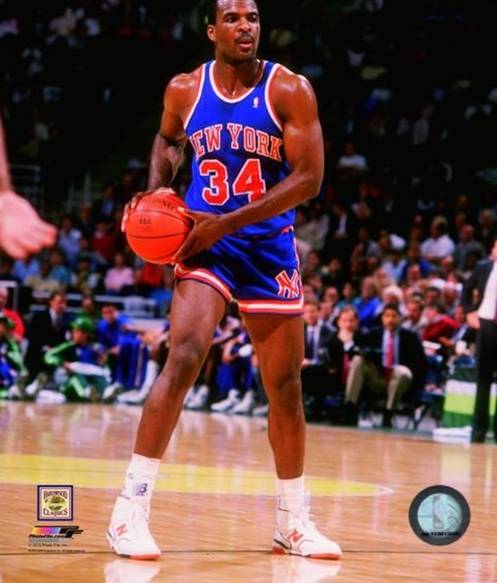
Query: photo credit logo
(55, 502)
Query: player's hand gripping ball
(154, 227)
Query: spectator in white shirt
(439, 245)
(120, 276)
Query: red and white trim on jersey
(216, 90)
(294, 307)
(267, 99)
(197, 99)
(204, 276)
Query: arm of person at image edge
(22, 232)
(476, 281)
(295, 104)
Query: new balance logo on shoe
(295, 536)
(121, 529)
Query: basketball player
(258, 153)
(21, 230)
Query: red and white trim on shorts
(291, 307)
(204, 276)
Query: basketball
(155, 229)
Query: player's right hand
(134, 202)
(22, 231)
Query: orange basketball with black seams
(155, 228)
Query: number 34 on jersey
(249, 181)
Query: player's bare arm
(296, 106)
(170, 142)
(21, 230)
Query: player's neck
(236, 79)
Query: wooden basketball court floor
(213, 508)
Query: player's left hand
(22, 231)
(208, 229)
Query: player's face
(237, 30)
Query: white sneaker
(111, 392)
(189, 397)
(227, 404)
(199, 399)
(14, 393)
(261, 411)
(128, 533)
(245, 406)
(299, 536)
(47, 397)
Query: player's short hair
(211, 13)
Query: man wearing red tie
(395, 361)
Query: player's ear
(211, 32)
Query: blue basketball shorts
(262, 274)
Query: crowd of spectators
(408, 204)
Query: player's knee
(285, 393)
(183, 364)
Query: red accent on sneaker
(121, 529)
(329, 556)
(295, 536)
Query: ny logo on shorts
(289, 287)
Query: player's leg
(196, 310)
(279, 343)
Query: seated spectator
(395, 265)
(90, 310)
(120, 277)
(466, 246)
(349, 297)
(369, 304)
(102, 242)
(395, 361)
(234, 378)
(333, 274)
(13, 373)
(351, 164)
(127, 355)
(439, 327)
(346, 362)
(68, 240)
(341, 232)
(77, 364)
(85, 252)
(149, 277)
(58, 270)
(44, 282)
(7, 269)
(103, 208)
(25, 268)
(439, 245)
(85, 280)
(414, 320)
(315, 375)
(18, 330)
(414, 259)
(46, 329)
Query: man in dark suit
(480, 305)
(315, 375)
(395, 361)
(47, 329)
(346, 363)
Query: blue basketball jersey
(238, 150)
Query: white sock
(151, 373)
(292, 495)
(140, 479)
